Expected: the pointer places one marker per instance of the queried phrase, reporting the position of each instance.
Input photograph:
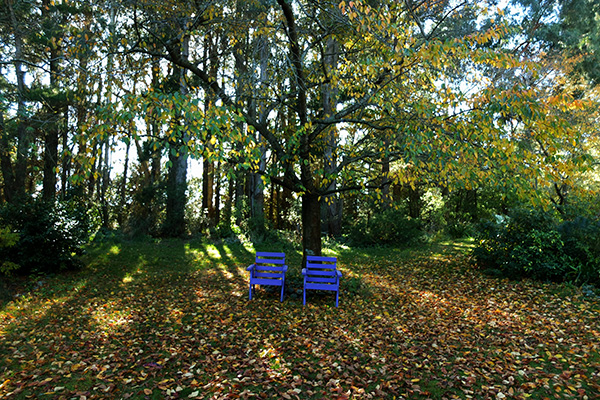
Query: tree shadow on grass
(142, 326)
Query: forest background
(360, 122)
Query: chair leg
(250, 291)
(282, 289)
(337, 296)
(304, 297)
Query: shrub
(8, 239)
(385, 228)
(537, 244)
(582, 243)
(50, 235)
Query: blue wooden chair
(268, 269)
(321, 273)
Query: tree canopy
(319, 100)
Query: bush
(537, 244)
(50, 235)
(390, 227)
(582, 243)
(8, 239)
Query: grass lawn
(171, 319)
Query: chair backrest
(266, 258)
(321, 269)
(269, 265)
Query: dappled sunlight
(405, 328)
(175, 315)
(127, 278)
(109, 318)
(272, 360)
(34, 306)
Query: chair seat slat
(320, 286)
(313, 272)
(315, 279)
(264, 281)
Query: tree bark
(311, 225)
(175, 224)
(122, 214)
(333, 214)
(17, 191)
(51, 134)
(257, 195)
(8, 177)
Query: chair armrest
(304, 271)
(285, 268)
(339, 274)
(250, 267)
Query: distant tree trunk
(217, 175)
(15, 190)
(257, 196)
(208, 168)
(123, 190)
(207, 189)
(104, 183)
(93, 169)
(415, 204)
(228, 206)
(386, 197)
(50, 159)
(51, 134)
(333, 215)
(66, 158)
(104, 146)
(240, 178)
(6, 162)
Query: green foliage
(388, 227)
(582, 243)
(50, 235)
(537, 244)
(7, 240)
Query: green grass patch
(171, 319)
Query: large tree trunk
(175, 225)
(176, 197)
(311, 225)
(257, 187)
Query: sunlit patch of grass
(168, 319)
(109, 318)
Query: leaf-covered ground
(172, 320)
